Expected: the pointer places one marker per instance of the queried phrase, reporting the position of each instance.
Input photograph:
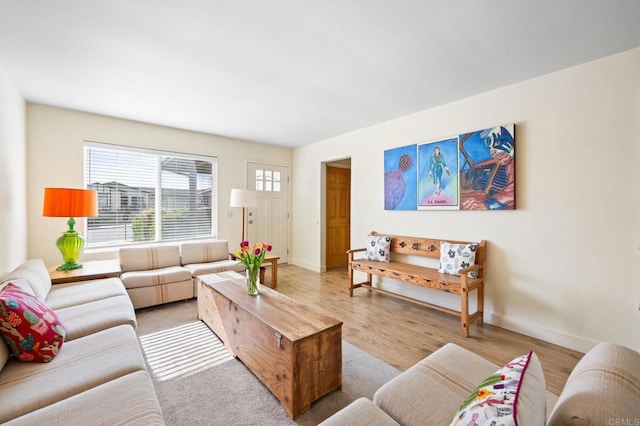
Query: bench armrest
(465, 271)
(356, 250)
(352, 251)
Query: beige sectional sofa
(167, 273)
(153, 275)
(603, 389)
(98, 376)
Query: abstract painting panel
(400, 178)
(488, 169)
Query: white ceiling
(292, 72)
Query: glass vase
(253, 281)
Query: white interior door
(269, 221)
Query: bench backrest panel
(428, 247)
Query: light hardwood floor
(401, 333)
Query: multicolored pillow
(454, 257)
(378, 248)
(30, 328)
(515, 394)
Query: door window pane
(267, 180)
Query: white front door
(269, 221)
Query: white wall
(13, 200)
(562, 267)
(55, 158)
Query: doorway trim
(344, 162)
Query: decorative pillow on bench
(378, 247)
(31, 329)
(515, 394)
(454, 257)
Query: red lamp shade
(66, 202)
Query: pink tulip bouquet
(252, 256)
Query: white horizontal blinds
(125, 182)
(186, 197)
(133, 183)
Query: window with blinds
(146, 196)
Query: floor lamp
(243, 198)
(71, 203)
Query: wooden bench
(424, 276)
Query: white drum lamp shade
(243, 198)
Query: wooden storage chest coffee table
(295, 351)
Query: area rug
(199, 383)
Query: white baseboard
(556, 337)
(306, 265)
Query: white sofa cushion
(197, 269)
(434, 388)
(82, 364)
(88, 318)
(603, 386)
(127, 400)
(155, 277)
(22, 283)
(147, 258)
(360, 412)
(77, 293)
(204, 251)
(35, 273)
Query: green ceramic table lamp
(71, 203)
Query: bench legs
(350, 281)
(352, 285)
(464, 312)
(481, 305)
(465, 319)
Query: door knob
(250, 220)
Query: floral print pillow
(378, 248)
(31, 329)
(454, 257)
(513, 394)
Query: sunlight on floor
(183, 351)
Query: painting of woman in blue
(436, 166)
(437, 173)
(487, 169)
